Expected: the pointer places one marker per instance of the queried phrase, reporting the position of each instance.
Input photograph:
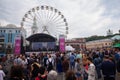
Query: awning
(116, 45)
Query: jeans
(72, 65)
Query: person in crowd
(24, 62)
(79, 55)
(18, 60)
(16, 73)
(2, 74)
(72, 61)
(91, 69)
(117, 57)
(85, 67)
(45, 60)
(59, 67)
(108, 69)
(65, 65)
(50, 63)
(52, 75)
(78, 70)
(101, 55)
(97, 62)
(34, 70)
(42, 74)
(117, 54)
(70, 75)
(30, 59)
(25, 67)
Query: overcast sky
(85, 17)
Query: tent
(116, 45)
(69, 48)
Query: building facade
(77, 43)
(7, 38)
(99, 43)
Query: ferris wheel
(45, 19)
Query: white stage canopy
(69, 48)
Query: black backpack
(50, 65)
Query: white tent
(69, 48)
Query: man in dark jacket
(108, 69)
(117, 56)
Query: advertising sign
(17, 44)
(62, 43)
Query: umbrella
(117, 45)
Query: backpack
(50, 65)
(45, 59)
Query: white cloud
(3, 22)
(85, 17)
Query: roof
(116, 37)
(11, 26)
(41, 37)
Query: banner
(17, 47)
(62, 43)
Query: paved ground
(61, 77)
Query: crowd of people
(91, 64)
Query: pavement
(61, 76)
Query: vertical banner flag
(17, 46)
(62, 43)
